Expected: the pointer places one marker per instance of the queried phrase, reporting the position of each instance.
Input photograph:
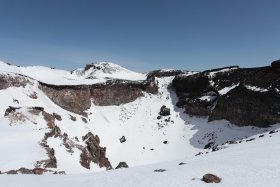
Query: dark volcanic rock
(159, 170)
(122, 165)
(242, 106)
(122, 139)
(194, 84)
(275, 64)
(210, 178)
(164, 111)
(182, 163)
(57, 116)
(84, 120)
(12, 172)
(163, 73)
(73, 118)
(198, 107)
(209, 145)
(10, 110)
(256, 101)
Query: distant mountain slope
(91, 74)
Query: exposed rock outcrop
(78, 98)
(10, 110)
(7, 80)
(72, 98)
(163, 73)
(210, 178)
(93, 152)
(35, 171)
(243, 96)
(122, 165)
(276, 64)
(242, 106)
(164, 111)
(122, 139)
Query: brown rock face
(78, 98)
(210, 178)
(35, 171)
(94, 152)
(85, 159)
(75, 99)
(7, 81)
(115, 94)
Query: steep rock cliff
(78, 98)
(243, 96)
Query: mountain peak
(107, 70)
(106, 67)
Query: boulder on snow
(209, 145)
(12, 172)
(164, 111)
(73, 118)
(122, 139)
(210, 178)
(122, 165)
(38, 171)
(57, 116)
(10, 110)
(159, 170)
(84, 120)
(25, 171)
(182, 163)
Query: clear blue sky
(140, 35)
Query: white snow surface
(252, 163)
(256, 89)
(80, 76)
(227, 89)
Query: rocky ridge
(243, 96)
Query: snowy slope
(107, 70)
(137, 121)
(80, 76)
(252, 163)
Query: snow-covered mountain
(104, 117)
(91, 74)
